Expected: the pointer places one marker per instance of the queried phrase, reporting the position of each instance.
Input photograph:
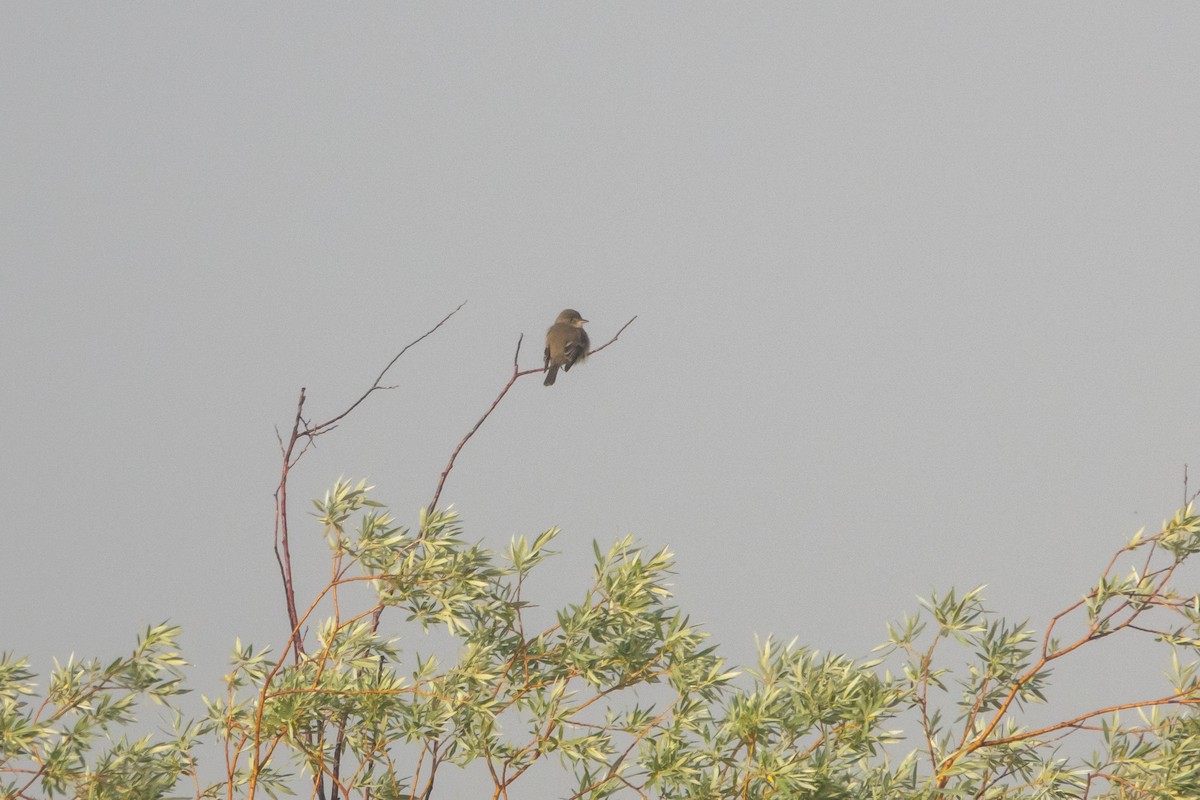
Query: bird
(566, 344)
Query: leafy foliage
(620, 690)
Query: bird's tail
(551, 375)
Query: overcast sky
(916, 289)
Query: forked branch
(303, 431)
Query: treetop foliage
(620, 695)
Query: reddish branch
(303, 431)
(1099, 628)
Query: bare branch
(377, 386)
(614, 338)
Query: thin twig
(614, 338)
(377, 386)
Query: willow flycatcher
(566, 343)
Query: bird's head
(571, 317)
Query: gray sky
(915, 286)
